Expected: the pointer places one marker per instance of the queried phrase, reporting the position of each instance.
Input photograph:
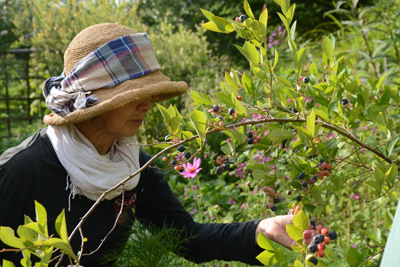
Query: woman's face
(124, 121)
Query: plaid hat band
(122, 59)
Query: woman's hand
(275, 229)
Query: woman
(111, 79)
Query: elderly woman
(110, 81)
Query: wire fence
(20, 101)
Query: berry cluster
(177, 163)
(303, 79)
(324, 169)
(241, 18)
(274, 197)
(317, 243)
(251, 139)
(216, 111)
(223, 164)
(295, 209)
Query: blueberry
(332, 235)
(173, 162)
(218, 169)
(220, 118)
(312, 222)
(250, 134)
(314, 261)
(250, 141)
(321, 160)
(312, 248)
(306, 80)
(277, 200)
(298, 198)
(215, 108)
(226, 165)
(314, 227)
(242, 18)
(274, 208)
(304, 184)
(301, 176)
(231, 111)
(314, 178)
(182, 169)
(317, 239)
(188, 155)
(345, 101)
(181, 148)
(167, 138)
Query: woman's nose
(144, 105)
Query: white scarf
(91, 174)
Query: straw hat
(154, 85)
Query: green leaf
(311, 123)
(314, 69)
(230, 80)
(7, 263)
(304, 131)
(353, 256)
(176, 123)
(41, 218)
(199, 98)
(265, 243)
(298, 263)
(227, 149)
(285, 5)
(259, 72)
(199, 121)
(58, 243)
(247, 9)
(61, 226)
(27, 235)
(240, 108)
(301, 220)
(248, 85)
(375, 185)
(276, 58)
(284, 20)
(284, 81)
(300, 57)
(368, 234)
(218, 24)
(391, 174)
(264, 20)
(328, 48)
(388, 216)
(250, 52)
(316, 194)
(207, 14)
(280, 256)
(294, 232)
(378, 235)
(8, 237)
(224, 99)
(319, 209)
(237, 135)
(165, 114)
(351, 87)
(380, 81)
(385, 98)
(267, 258)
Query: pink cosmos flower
(192, 170)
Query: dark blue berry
(274, 208)
(314, 227)
(220, 118)
(226, 165)
(321, 160)
(215, 108)
(298, 198)
(188, 155)
(182, 169)
(231, 111)
(218, 169)
(312, 222)
(301, 176)
(181, 148)
(306, 80)
(314, 178)
(277, 200)
(242, 18)
(250, 134)
(345, 101)
(173, 162)
(250, 141)
(312, 248)
(167, 138)
(317, 239)
(304, 184)
(314, 261)
(332, 235)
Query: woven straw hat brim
(155, 86)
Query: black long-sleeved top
(32, 171)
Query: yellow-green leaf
(294, 232)
(265, 243)
(311, 123)
(247, 9)
(61, 226)
(301, 220)
(264, 20)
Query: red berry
(325, 232)
(239, 98)
(329, 166)
(327, 240)
(300, 79)
(327, 173)
(258, 138)
(324, 166)
(164, 158)
(321, 246)
(311, 181)
(237, 19)
(306, 234)
(319, 227)
(321, 254)
(177, 167)
(321, 174)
